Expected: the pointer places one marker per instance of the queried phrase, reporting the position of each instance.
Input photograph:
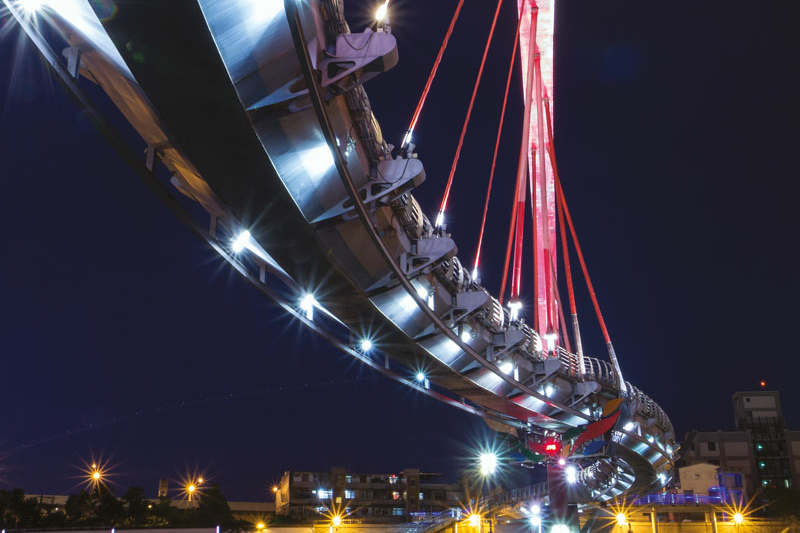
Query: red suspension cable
(496, 150)
(449, 185)
(432, 74)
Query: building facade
(392, 497)
(761, 447)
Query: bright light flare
(515, 308)
(31, 7)
(274, 488)
(571, 474)
(241, 241)
(474, 520)
(507, 367)
(307, 304)
(488, 463)
(365, 345)
(738, 519)
(622, 519)
(535, 520)
(440, 219)
(560, 528)
(382, 12)
(260, 526)
(336, 520)
(95, 475)
(420, 376)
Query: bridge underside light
(420, 376)
(382, 12)
(622, 519)
(535, 520)
(365, 345)
(629, 426)
(317, 160)
(241, 241)
(507, 367)
(31, 6)
(571, 474)
(307, 304)
(560, 528)
(738, 518)
(515, 308)
(488, 463)
(466, 336)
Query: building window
(421, 497)
(397, 511)
(304, 477)
(348, 479)
(712, 446)
(323, 494)
(349, 494)
(393, 479)
(395, 495)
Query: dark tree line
(101, 508)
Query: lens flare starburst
(95, 474)
(190, 486)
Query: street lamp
(738, 519)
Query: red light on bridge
(763, 383)
(552, 447)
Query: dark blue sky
(676, 132)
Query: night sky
(676, 133)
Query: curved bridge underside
(258, 111)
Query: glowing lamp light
(336, 520)
(662, 477)
(507, 367)
(738, 519)
(274, 489)
(307, 304)
(515, 308)
(199, 480)
(562, 461)
(474, 520)
(571, 474)
(622, 519)
(549, 390)
(241, 241)
(365, 345)
(191, 488)
(763, 383)
(382, 12)
(407, 138)
(536, 521)
(488, 463)
(420, 376)
(31, 6)
(317, 160)
(260, 526)
(535, 509)
(629, 426)
(440, 219)
(96, 475)
(560, 528)
(466, 336)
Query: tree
(212, 509)
(135, 506)
(81, 509)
